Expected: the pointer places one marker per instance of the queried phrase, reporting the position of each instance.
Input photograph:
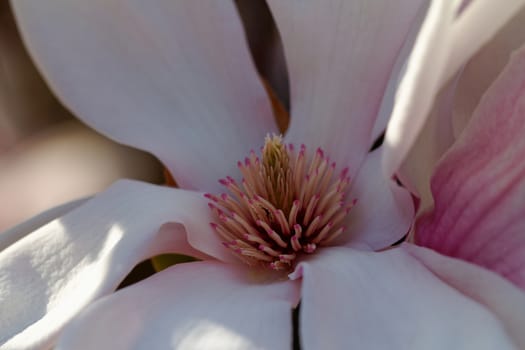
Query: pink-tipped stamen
(287, 204)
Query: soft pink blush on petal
(384, 211)
(51, 274)
(171, 77)
(484, 67)
(364, 300)
(502, 298)
(479, 186)
(340, 55)
(202, 305)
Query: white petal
(363, 300)
(51, 274)
(420, 83)
(340, 56)
(500, 296)
(435, 138)
(171, 77)
(23, 229)
(199, 305)
(384, 211)
(476, 26)
(398, 71)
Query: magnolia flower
(175, 78)
(46, 157)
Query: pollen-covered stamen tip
(287, 204)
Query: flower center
(288, 204)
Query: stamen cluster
(287, 204)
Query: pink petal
(171, 77)
(65, 162)
(51, 274)
(454, 106)
(384, 211)
(363, 300)
(479, 187)
(203, 305)
(484, 67)
(498, 295)
(445, 43)
(340, 56)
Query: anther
(286, 205)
